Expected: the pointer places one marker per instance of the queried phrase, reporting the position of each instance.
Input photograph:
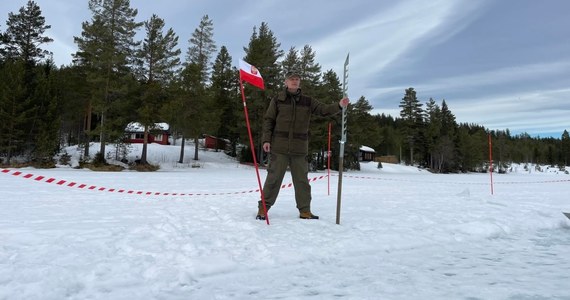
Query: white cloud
(382, 38)
(501, 76)
(533, 112)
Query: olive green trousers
(276, 170)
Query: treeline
(433, 138)
(115, 79)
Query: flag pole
(342, 141)
(253, 152)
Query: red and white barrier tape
(72, 184)
(457, 182)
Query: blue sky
(500, 64)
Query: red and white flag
(250, 74)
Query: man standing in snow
(286, 138)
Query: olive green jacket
(287, 119)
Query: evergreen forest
(115, 79)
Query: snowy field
(404, 234)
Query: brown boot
(308, 215)
(260, 214)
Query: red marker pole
(491, 162)
(329, 162)
(253, 152)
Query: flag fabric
(250, 74)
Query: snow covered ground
(404, 234)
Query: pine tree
(448, 123)
(197, 104)
(25, 34)
(30, 124)
(362, 129)
(470, 146)
(22, 43)
(202, 48)
(263, 52)
(433, 129)
(412, 116)
(47, 120)
(291, 61)
(329, 91)
(106, 49)
(444, 147)
(565, 148)
(3, 47)
(224, 91)
(73, 93)
(158, 59)
(14, 112)
(310, 71)
(389, 143)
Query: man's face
(293, 83)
